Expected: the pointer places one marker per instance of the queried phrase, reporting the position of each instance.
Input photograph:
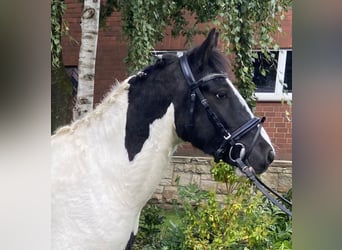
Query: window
(276, 84)
(72, 72)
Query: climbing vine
(144, 23)
(244, 25)
(58, 29)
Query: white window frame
(159, 53)
(278, 94)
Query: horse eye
(221, 95)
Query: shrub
(148, 237)
(246, 220)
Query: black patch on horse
(163, 83)
(148, 100)
(130, 242)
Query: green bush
(157, 232)
(148, 237)
(246, 220)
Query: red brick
(112, 49)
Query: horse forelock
(217, 63)
(220, 62)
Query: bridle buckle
(227, 136)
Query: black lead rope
(264, 188)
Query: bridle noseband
(229, 140)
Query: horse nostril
(270, 156)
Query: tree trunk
(87, 58)
(61, 97)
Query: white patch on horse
(245, 105)
(238, 95)
(97, 193)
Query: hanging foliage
(244, 25)
(58, 29)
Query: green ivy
(244, 25)
(58, 28)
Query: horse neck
(149, 101)
(94, 139)
(104, 136)
(93, 177)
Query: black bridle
(229, 140)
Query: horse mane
(216, 59)
(159, 64)
(110, 98)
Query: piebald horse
(106, 165)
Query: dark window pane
(288, 72)
(265, 83)
(72, 72)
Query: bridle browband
(229, 140)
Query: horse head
(209, 110)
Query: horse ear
(208, 45)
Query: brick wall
(112, 49)
(196, 170)
(278, 126)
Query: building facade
(110, 66)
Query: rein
(266, 190)
(229, 140)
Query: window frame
(278, 94)
(159, 53)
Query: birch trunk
(87, 58)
